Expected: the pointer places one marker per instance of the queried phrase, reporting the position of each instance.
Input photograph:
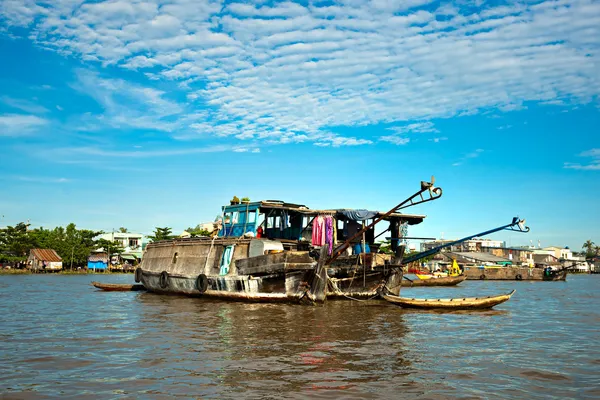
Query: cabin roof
(412, 219)
(45, 255)
(98, 257)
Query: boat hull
(447, 281)
(473, 303)
(513, 274)
(118, 287)
(287, 287)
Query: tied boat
(467, 303)
(445, 281)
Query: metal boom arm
(417, 198)
(510, 227)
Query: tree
(161, 234)
(109, 246)
(72, 245)
(198, 231)
(15, 242)
(123, 230)
(588, 246)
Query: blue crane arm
(515, 222)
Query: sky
(146, 113)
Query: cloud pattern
(289, 72)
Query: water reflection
(296, 350)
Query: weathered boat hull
(447, 281)
(472, 303)
(513, 274)
(195, 268)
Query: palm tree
(589, 247)
(597, 250)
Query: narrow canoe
(118, 287)
(469, 303)
(447, 281)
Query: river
(61, 338)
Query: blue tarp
(96, 265)
(358, 215)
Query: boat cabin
(292, 224)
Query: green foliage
(123, 230)
(161, 234)
(235, 200)
(590, 249)
(246, 199)
(72, 245)
(198, 231)
(15, 242)
(109, 246)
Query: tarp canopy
(358, 215)
(128, 257)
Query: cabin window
(235, 217)
(242, 218)
(227, 218)
(252, 217)
(174, 258)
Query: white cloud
(398, 140)
(20, 125)
(417, 127)
(474, 154)
(592, 165)
(40, 179)
(23, 105)
(287, 72)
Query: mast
(417, 198)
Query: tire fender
(163, 280)
(202, 283)
(138, 275)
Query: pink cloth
(318, 231)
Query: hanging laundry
(318, 231)
(329, 233)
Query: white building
(472, 245)
(128, 240)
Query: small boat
(447, 281)
(469, 303)
(118, 287)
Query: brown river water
(61, 338)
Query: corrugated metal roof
(46, 255)
(98, 257)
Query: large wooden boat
(447, 281)
(265, 251)
(469, 303)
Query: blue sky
(150, 113)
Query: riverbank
(67, 272)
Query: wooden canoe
(447, 281)
(469, 303)
(118, 287)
